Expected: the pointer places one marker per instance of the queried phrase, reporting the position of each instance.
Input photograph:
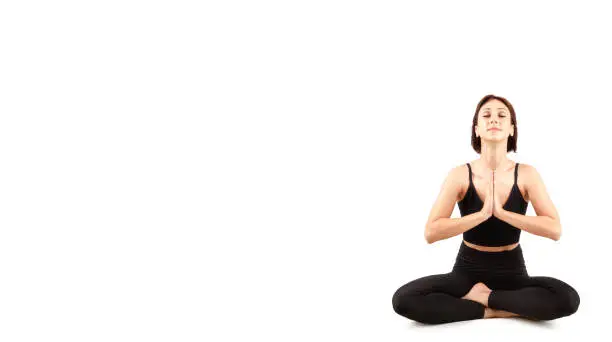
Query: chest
(504, 183)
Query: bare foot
(479, 293)
(505, 314)
(492, 313)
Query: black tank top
(492, 232)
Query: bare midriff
(491, 249)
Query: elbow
(556, 232)
(429, 237)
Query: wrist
(502, 213)
(482, 215)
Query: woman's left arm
(547, 222)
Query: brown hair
(511, 139)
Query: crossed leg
(538, 298)
(437, 299)
(453, 296)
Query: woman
(489, 278)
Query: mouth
(494, 129)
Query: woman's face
(494, 121)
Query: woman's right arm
(439, 224)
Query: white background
(263, 170)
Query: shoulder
(454, 176)
(526, 169)
(459, 171)
(529, 173)
(458, 175)
(454, 181)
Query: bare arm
(547, 222)
(439, 225)
(444, 228)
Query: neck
(493, 155)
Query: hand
(497, 200)
(487, 209)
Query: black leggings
(437, 298)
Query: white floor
(502, 329)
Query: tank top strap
(516, 173)
(470, 170)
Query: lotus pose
(489, 277)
